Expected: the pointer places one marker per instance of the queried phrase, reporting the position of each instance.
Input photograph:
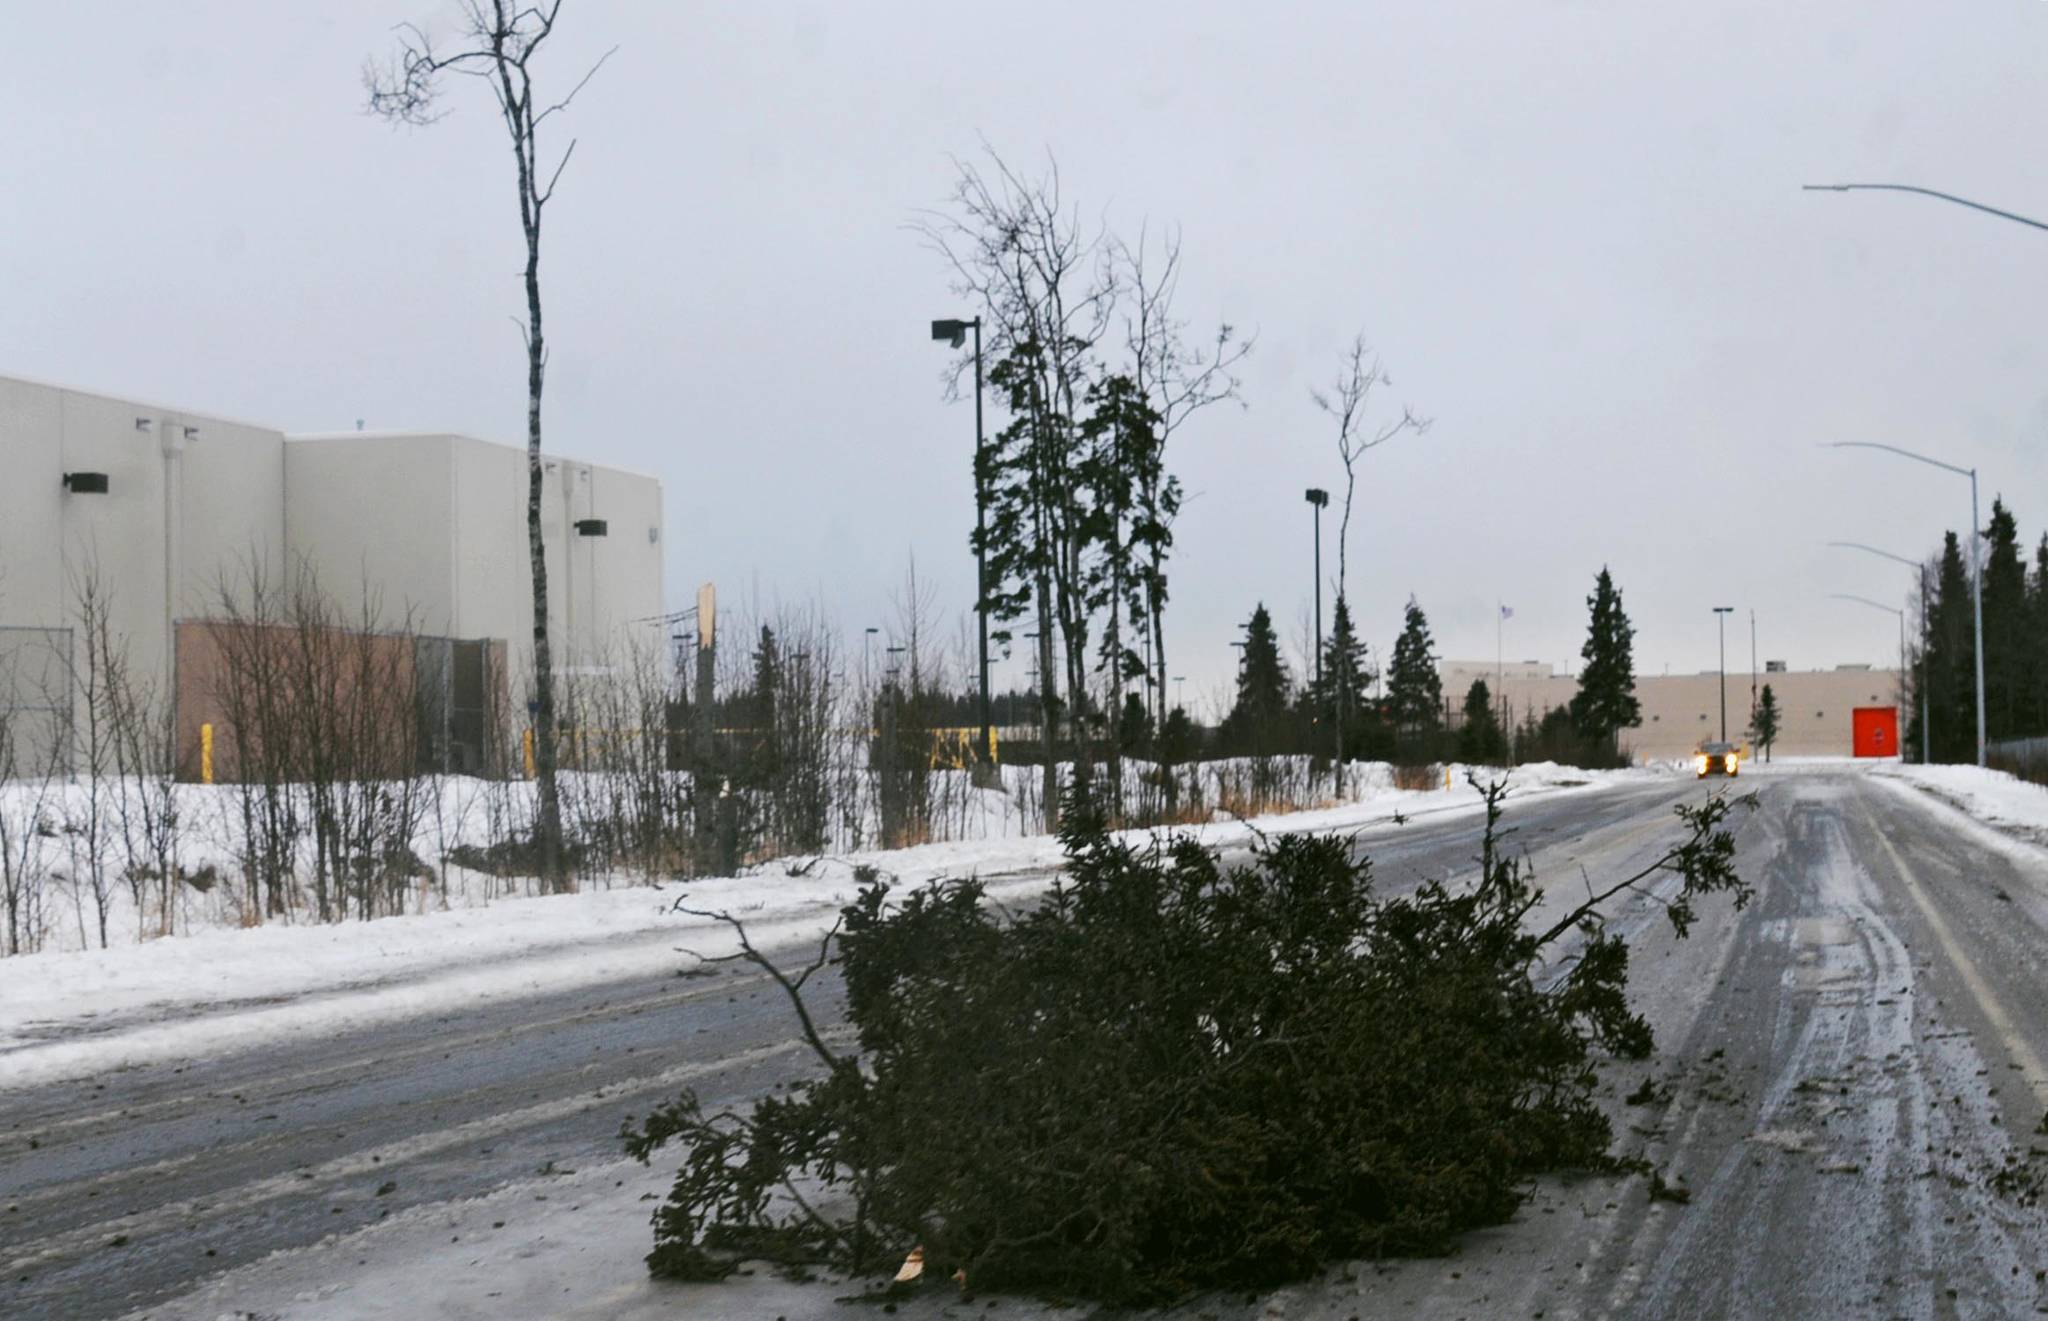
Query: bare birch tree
(498, 43)
(1349, 403)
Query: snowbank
(1996, 798)
(69, 1014)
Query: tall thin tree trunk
(1051, 775)
(549, 825)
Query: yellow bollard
(206, 754)
(527, 741)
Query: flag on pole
(1507, 612)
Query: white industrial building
(1816, 707)
(168, 508)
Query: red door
(1875, 731)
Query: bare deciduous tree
(498, 43)
(1348, 402)
(1178, 380)
(89, 810)
(34, 755)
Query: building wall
(1682, 710)
(430, 526)
(375, 513)
(192, 499)
(465, 506)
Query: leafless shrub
(34, 755)
(1424, 777)
(321, 714)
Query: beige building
(168, 509)
(1681, 710)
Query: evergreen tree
(1765, 730)
(1134, 727)
(1415, 691)
(1481, 741)
(2037, 643)
(767, 679)
(1606, 701)
(1950, 645)
(761, 705)
(1119, 464)
(1337, 698)
(1257, 722)
(1179, 740)
(2005, 626)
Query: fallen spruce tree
(1173, 1076)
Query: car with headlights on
(1717, 759)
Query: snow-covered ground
(2011, 805)
(69, 847)
(569, 1248)
(68, 1014)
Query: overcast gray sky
(1573, 230)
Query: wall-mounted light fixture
(191, 433)
(142, 424)
(591, 527)
(85, 483)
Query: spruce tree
(1337, 696)
(1765, 730)
(761, 706)
(1606, 701)
(1415, 692)
(1950, 645)
(1480, 741)
(1257, 721)
(2005, 626)
(1134, 726)
(1179, 740)
(2036, 713)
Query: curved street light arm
(1894, 449)
(1864, 600)
(1924, 192)
(1857, 545)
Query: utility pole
(1721, 613)
(1752, 667)
(1500, 664)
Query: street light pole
(954, 332)
(1320, 499)
(1976, 558)
(1752, 667)
(1721, 613)
(1926, 707)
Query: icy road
(1848, 1084)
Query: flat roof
(327, 437)
(153, 404)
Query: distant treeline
(1941, 672)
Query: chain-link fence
(35, 700)
(2024, 757)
